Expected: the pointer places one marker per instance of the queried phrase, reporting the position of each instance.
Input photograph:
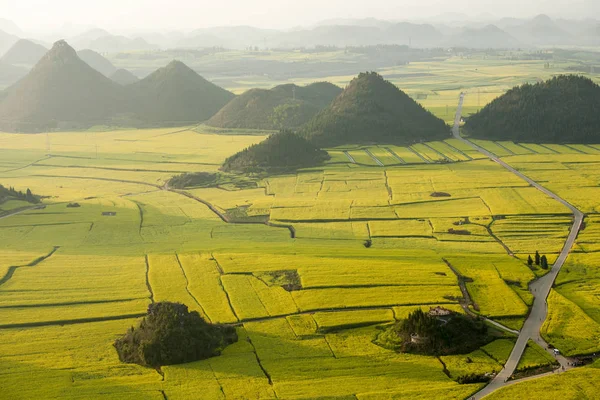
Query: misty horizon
(68, 16)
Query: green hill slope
(565, 109)
(373, 110)
(177, 95)
(280, 152)
(285, 106)
(60, 92)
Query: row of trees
(6, 193)
(540, 261)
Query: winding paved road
(540, 288)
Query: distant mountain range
(445, 31)
(489, 36)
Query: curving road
(540, 288)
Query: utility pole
(47, 144)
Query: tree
(530, 261)
(544, 262)
(29, 196)
(537, 258)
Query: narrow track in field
(540, 288)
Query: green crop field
(72, 280)
(161, 245)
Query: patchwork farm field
(306, 293)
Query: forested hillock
(280, 152)
(422, 333)
(373, 110)
(170, 334)
(564, 109)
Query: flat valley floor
(308, 297)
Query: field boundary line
(11, 270)
(459, 151)
(396, 156)
(377, 161)
(497, 143)
(187, 287)
(445, 157)
(352, 160)
(556, 152)
(148, 279)
(70, 303)
(71, 321)
(416, 153)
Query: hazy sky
(190, 14)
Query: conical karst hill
(373, 110)
(177, 95)
(60, 92)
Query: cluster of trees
(171, 334)
(564, 109)
(540, 261)
(6, 193)
(455, 334)
(198, 179)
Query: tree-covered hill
(564, 109)
(283, 107)
(177, 95)
(373, 110)
(280, 152)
